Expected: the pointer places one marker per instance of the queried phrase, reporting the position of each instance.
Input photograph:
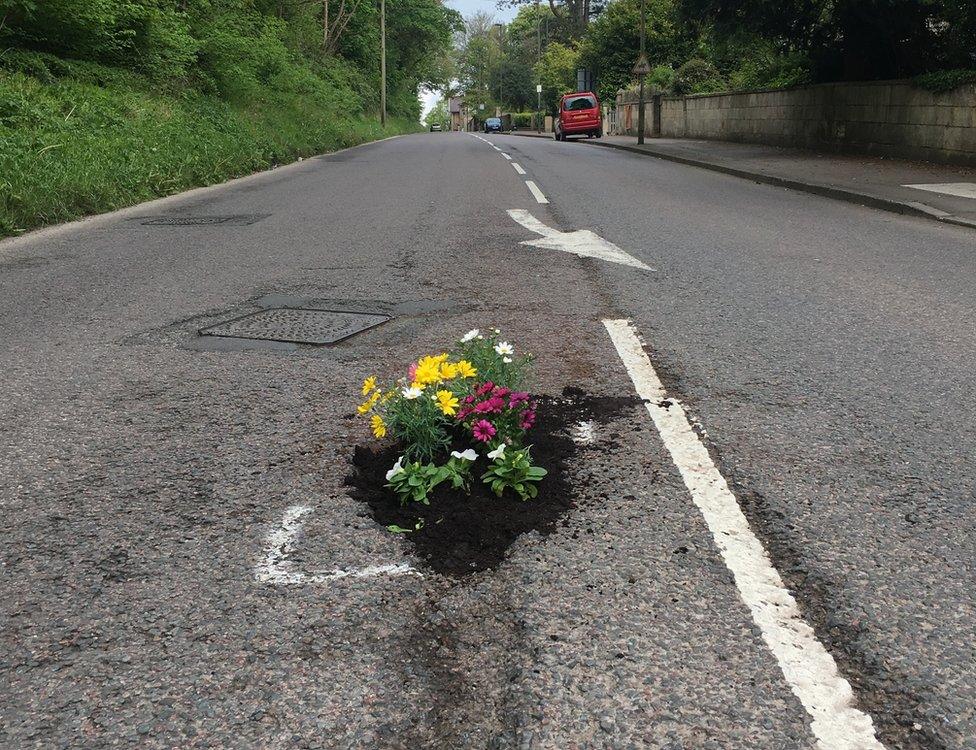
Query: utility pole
(641, 69)
(383, 63)
(538, 67)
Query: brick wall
(891, 118)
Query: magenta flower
(500, 391)
(517, 397)
(527, 419)
(492, 405)
(464, 412)
(483, 430)
(484, 389)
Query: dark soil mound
(465, 534)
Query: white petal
(499, 452)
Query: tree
(557, 72)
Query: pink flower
(492, 405)
(412, 372)
(484, 389)
(464, 412)
(483, 430)
(527, 419)
(517, 397)
(469, 399)
(500, 391)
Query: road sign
(538, 88)
(481, 106)
(642, 67)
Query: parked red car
(579, 114)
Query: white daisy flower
(397, 468)
(474, 333)
(499, 452)
(468, 455)
(504, 348)
(507, 360)
(411, 393)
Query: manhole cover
(296, 325)
(196, 221)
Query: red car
(579, 114)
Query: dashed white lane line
(517, 167)
(277, 568)
(809, 669)
(506, 156)
(534, 189)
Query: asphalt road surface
(184, 565)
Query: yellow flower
(378, 425)
(368, 404)
(465, 369)
(428, 371)
(447, 402)
(448, 371)
(369, 384)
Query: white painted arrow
(582, 242)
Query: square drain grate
(296, 325)
(237, 220)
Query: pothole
(459, 535)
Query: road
(823, 353)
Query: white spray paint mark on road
(582, 242)
(538, 194)
(517, 167)
(809, 669)
(277, 568)
(584, 433)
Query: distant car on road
(435, 127)
(493, 125)
(579, 114)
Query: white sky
(466, 7)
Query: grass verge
(94, 139)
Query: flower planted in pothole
(453, 410)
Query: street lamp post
(641, 69)
(383, 63)
(538, 67)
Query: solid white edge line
(534, 189)
(809, 669)
(276, 568)
(517, 167)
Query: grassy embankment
(77, 138)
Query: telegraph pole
(641, 69)
(383, 63)
(538, 67)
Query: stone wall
(890, 118)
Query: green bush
(522, 119)
(71, 146)
(698, 77)
(941, 81)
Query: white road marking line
(582, 242)
(534, 189)
(506, 156)
(809, 669)
(517, 167)
(277, 568)
(958, 189)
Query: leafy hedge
(944, 80)
(78, 137)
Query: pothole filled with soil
(463, 534)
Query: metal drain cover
(295, 325)
(199, 221)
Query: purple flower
(483, 430)
(527, 419)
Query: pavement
(867, 180)
(821, 352)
